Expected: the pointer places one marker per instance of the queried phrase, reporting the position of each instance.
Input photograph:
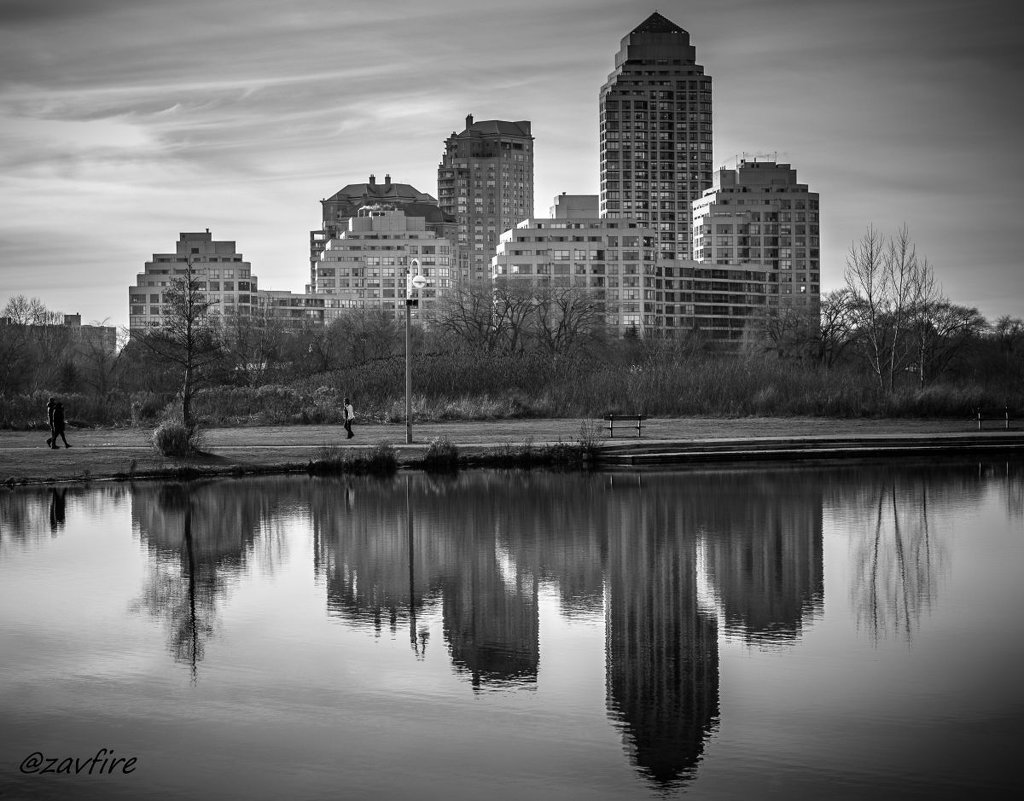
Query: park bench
(632, 420)
(994, 414)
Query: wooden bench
(633, 420)
(994, 414)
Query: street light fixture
(413, 283)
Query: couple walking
(55, 419)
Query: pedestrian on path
(58, 425)
(51, 404)
(350, 414)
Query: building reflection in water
(662, 649)
(763, 542)
(666, 558)
(396, 548)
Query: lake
(829, 631)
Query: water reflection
(665, 561)
(199, 536)
(31, 514)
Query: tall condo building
(485, 180)
(760, 217)
(656, 138)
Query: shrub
(589, 437)
(381, 459)
(442, 455)
(172, 438)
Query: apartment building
(759, 217)
(485, 181)
(224, 277)
(344, 204)
(366, 265)
(614, 258)
(655, 135)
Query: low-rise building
(615, 258)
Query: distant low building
(90, 339)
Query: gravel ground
(99, 453)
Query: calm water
(835, 632)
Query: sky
(126, 122)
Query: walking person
(350, 414)
(58, 425)
(51, 404)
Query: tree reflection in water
(896, 561)
(200, 536)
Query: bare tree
(101, 362)
(565, 318)
(835, 330)
(888, 282)
(34, 345)
(941, 331)
(494, 319)
(368, 335)
(253, 345)
(188, 337)
(791, 331)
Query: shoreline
(123, 454)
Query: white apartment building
(616, 259)
(366, 266)
(759, 217)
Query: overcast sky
(126, 122)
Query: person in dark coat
(58, 426)
(51, 404)
(349, 417)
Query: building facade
(338, 209)
(224, 277)
(366, 265)
(485, 181)
(615, 259)
(759, 217)
(655, 135)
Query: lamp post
(413, 282)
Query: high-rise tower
(656, 136)
(485, 180)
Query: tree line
(889, 342)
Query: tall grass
(459, 386)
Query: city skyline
(122, 125)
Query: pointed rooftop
(656, 23)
